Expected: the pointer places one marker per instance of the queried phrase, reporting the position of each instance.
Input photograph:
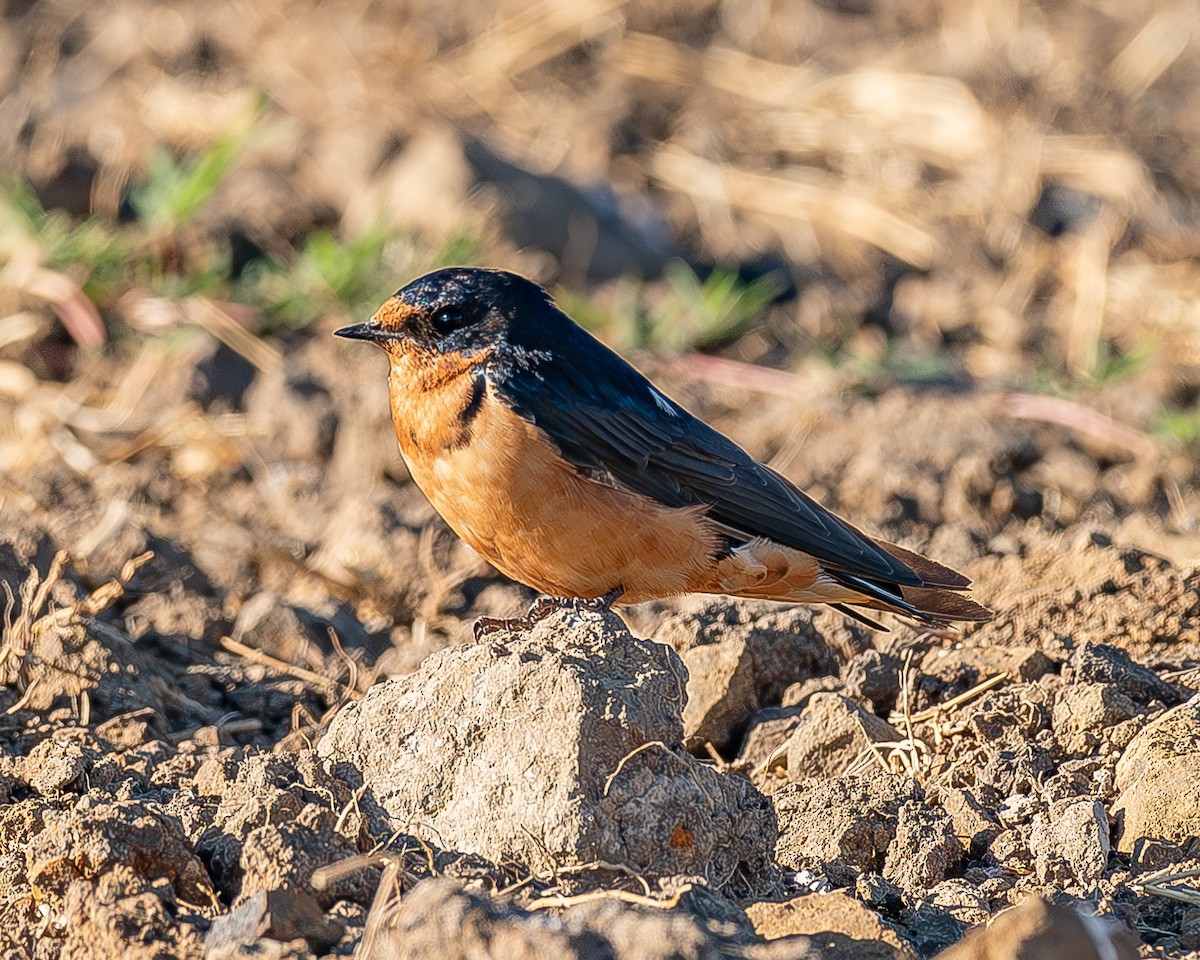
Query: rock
(1011, 716)
(929, 928)
(962, 900)
(438, 918)
(278, 914)
(1151, 855)
(841, 826)
(1019, 769)
(924, 848)
(832, 733)
(883, 895)
(948, 671)
(763, 755)
(123, 914)
(1037, 929)
(98, 836)
(1158, 779)
(720, 693)
(973, 823)
(1092, 706)
(55, 766)
(562, 750)
(768, 731)
(1101, 663)
(285, 855)
(799, 693)
(857, 930)
(873, 678)
(1010, 851)
(741, 655)
(1070, 842)
(263, 820)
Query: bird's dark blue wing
(611, 423)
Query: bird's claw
(539, 610)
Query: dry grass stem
(543, 903)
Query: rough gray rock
(924, 849)
(1158, 779)
(768, 732)
(741, 655)
(557, 746)
(1101, 663)
(962, 900)
(1070, 842)
(842, 825)
(833, 731)
(1090, 708)
(873, 678)
(973, 822)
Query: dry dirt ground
(242, 714)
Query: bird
(571, 473)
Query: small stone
(837, 913)
(741, 655)
(929, 928)
(1092, 707)
(768, 731)
(1101, 663)
(841, 826)
(1010, 850)
(1150, 855)
(973, 824)
(286, 914)
(54, 767)
(1070, 842)
(720, 693)
(833, 733)
(924, 848)
(962, 900)
(873, 678)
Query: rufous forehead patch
(393, 314)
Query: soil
(216, 565)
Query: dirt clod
(924, 848)
(1158, 778)
(1071, 843)
(844, 926)
(833, 733)
(556, 748)
(841, 825)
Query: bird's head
(461, 312)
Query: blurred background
(935, 260)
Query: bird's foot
(541, 608)
(544, 606)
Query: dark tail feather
(938, 601)
(942, 606)
(932, 572)
(861, 618)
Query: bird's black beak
(367, 331)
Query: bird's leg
(541, 608)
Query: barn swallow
(570, 472)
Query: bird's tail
(938, 601)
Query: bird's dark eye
(446, 319)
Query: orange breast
(501, 485)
